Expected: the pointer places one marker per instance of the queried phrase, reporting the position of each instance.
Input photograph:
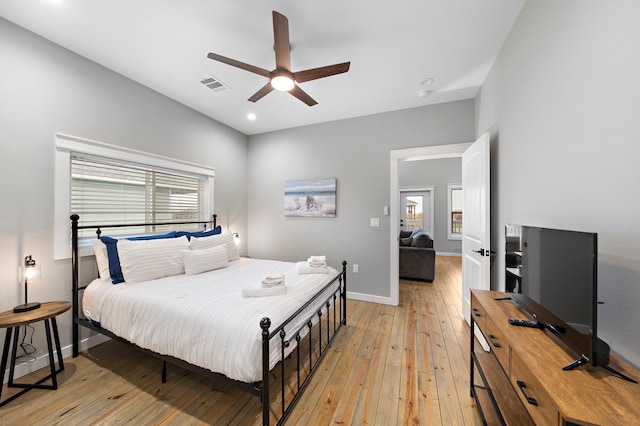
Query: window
(454, 217)
(105, 191)
(105, 184)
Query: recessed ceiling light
(423, 93)
(251, 116)
(426, 81)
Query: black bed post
(344, 292)
(215, 220)
(265, 323)
(74, 280)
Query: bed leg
(265, 323)
(164, 371)
(74, 284)
(344, 292)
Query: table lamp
(29, 272)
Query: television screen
(559, 286)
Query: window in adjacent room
(106, 184)
(454, 217)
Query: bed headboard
(75, 227)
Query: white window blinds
(106, 191)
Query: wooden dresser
(521, 381)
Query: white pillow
(102, 259)
(144, 260)
(198, 261)
(225, 238)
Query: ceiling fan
(282, 78)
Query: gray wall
(46, 89)
(437, 174)
(357, 153)
(562, 103)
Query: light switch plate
(375, 221)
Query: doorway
(411, 154)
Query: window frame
(65, 145)
(450, 234)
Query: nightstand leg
(51, 361)
(12, 364)
(5, 354)
(56, 338)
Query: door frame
(396, 156)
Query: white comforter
(203, 319)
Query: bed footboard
(334, 309)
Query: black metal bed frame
(337, 297)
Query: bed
(212, 315)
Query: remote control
(524, 323)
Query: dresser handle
(495, 344)
(522, 385)
(476, 312)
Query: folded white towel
(272, 283)
(252, 291)
(317, 261)
(273, 279)
(305, 268)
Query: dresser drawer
(478, 313)
(498, 344)
(532, 394)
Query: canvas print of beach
(310, 197)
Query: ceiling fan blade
(266, 89)
(321, 72)
(238, 64)
(281, 41)
(302, 95)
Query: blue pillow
(112, 253)
(200, 234)
(114, 261)
(172, 234)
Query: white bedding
(203, 319)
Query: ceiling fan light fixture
(281, 82)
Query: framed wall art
(310, 197)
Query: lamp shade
(29, 272)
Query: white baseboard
(442, 253)
(369, 298)
(42, 361)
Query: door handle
(481, 251)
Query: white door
(476, 240)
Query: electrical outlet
(355, 268)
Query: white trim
(370, 298)
(451, 235)
(66, 144)
(411, 154)
(444, 253)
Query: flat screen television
(559, 288)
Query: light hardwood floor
(390, 365)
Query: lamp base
(26, 307)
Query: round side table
(47, 312)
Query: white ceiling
(392, 47)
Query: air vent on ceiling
(214, 84)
